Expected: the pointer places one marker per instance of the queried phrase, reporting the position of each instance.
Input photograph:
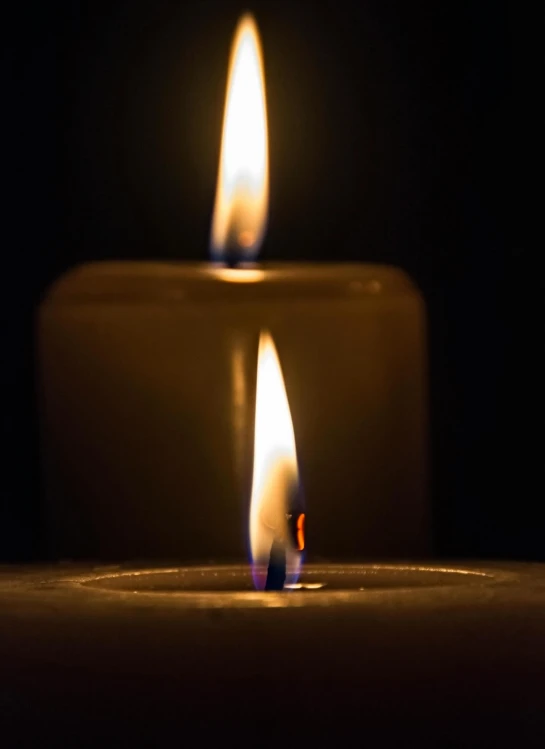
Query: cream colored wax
(147, 382)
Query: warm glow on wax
(238, 275)
(242, 193)
(275, 493)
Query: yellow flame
(275, 475)
(242, 193)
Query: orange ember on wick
(246, 238)
(301, 531)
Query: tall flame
(242, 193)
(275, 511)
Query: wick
(239, 239)
(232, 259)
(276, 571)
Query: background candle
(149, 379)
(391, 126)
(148, 385)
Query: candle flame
(275, 510)
(242, 193)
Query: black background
(403, 133)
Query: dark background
(403, 133)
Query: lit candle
(148, 376)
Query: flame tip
(247, 17)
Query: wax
(426, 656)
(147, 385)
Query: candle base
(424, 653)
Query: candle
(148, 376)
(391, 655)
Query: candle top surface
(139, 281)
(359, 585)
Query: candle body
(147, 380)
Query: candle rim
(141, 280)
